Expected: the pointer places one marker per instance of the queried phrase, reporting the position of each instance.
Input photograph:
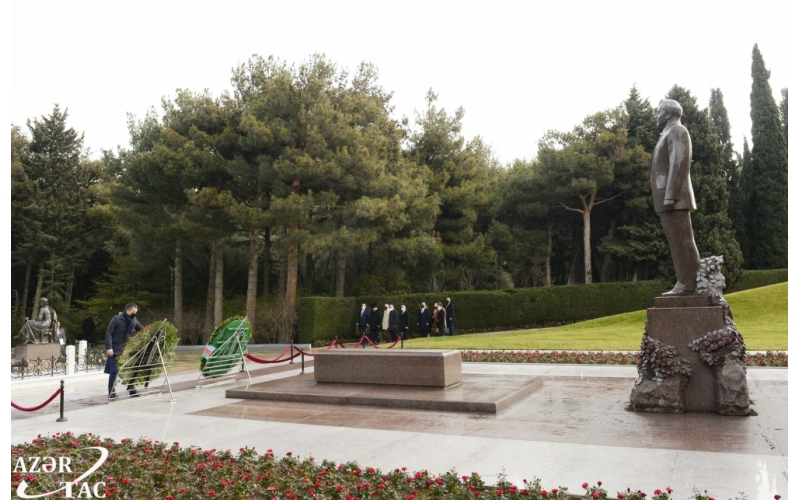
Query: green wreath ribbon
(141, 346)
(225, 356)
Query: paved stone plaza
(573, 429)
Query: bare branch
(571, 209)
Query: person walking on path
(451, 317)
(441, 320)
(394, 320)
(374, 325)
(121, 327)
(424, 321)
(363, 320)
(404, 322)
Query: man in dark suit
(673, 197)
(424, 321)
(404, 322)
(363, 320)
(121, 327)
(451, 316)
(375, 319)
(394, 320)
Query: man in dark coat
(441, 321)
(375, 320)
(121, 327)
(88, 329)
(394, 319)
(424, 321)
(404, 322)
(451, 317)
(363, 320)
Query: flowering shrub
(771, 358)
(151, 469)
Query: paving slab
(565, 433)
(475, 393)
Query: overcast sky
(517, 68)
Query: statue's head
(669, 108)
(42, 302)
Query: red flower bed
(771, 358)
(152, 469)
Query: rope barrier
(388, 347)
(275, 360)
(22, 408)
(302, 351)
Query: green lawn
(761, 315)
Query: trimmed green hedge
(758, 278)
(323, 318)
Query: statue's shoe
(678, 291)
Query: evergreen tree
(63, 179)
(767, 215)
(712, 226)
(730, 165)
(785, 115)
(461, 176)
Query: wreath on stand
(141, 348)
(224, 356)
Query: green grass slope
(761, 315)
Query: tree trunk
(547, 274)
(341, 270)
(309, 275)
(208, 325)
(24, 300)
(218, 282)
(68, 290)
(38, 294)
(177, 298)
(291, 273)
(282, 274)
(604, 273)
(267, 261)
(252, 278)
(587, 239)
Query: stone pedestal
(417, 367)
(34, 351)
(678, 321)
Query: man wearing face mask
(404, 321)
(121, 327)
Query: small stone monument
(692, 356)
(42, 337)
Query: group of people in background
(440, 321)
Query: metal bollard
(291, 352)
(302, 362)
(62, 418)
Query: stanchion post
(291, 351)
(402, 341)
(62, 418)
(302, 361)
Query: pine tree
(767, 215)
(712, 226)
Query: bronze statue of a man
(42, 330)
(673, 197)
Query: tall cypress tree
(767, 215)
(730, 165)
(712, 227)
(785, 115)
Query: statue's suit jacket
(669, 170)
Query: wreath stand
(217, 370)
(142, 363)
